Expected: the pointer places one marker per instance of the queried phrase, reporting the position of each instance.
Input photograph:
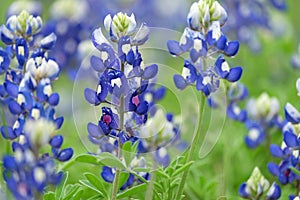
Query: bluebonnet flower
(245, 17)
(258, 187)
(27, 172)
(27, 93)
(203, 39)
(126, 93)
(289, 150)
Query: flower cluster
(288, 152)
(260, 116)
(127, 94)
(204, 39)
(247, 16)
(258, 187)
(27, 94)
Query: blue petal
(232, 48)
(22, 51)
(48, 42)
(94, 130)
(290, 139)
(91, 96)
(160, 93)
(97, 64)
(11, 89)
(65, 154)
(242, 191)
(107, 174)
(292, 114)
(14, 107)
(9, 163)
(53, 99)
(59, 121)
(273, 169)
(174, 47)
(150, 71)
(276, 151)
(6, 36)
(279, 4)
(56, 141)
(142, 108)
(221, 43)
(234, 74)
(8, 133)
(179, 81)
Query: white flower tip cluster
(263, 107)
(39, 131)
(24, 22)
(158, 128)
(204, 12)
(120, 24)
(40, 68)
(257, 183)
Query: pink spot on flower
(135, 100)
(107, 119)
(287, 172)
(22, 189)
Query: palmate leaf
(96, 184)
(134, 191)
(87, 158)
(71, 190)
(107, 159)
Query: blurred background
(266, 55)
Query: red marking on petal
(135, 100)
(107, 119)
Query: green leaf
(95, 197)
(70, 190)
(78, 195)
(141, 169)
(183, 168)
(87, 158)
(90, 186)
(123, 178)
(96, 182)
(49, 196)
(110, 160)
(61, 186)
(135, 190)
(160, 173)
(128, 155)
(296, 171)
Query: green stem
(149, 192)
(195, 141)
(117, 175)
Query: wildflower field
(150, 99)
